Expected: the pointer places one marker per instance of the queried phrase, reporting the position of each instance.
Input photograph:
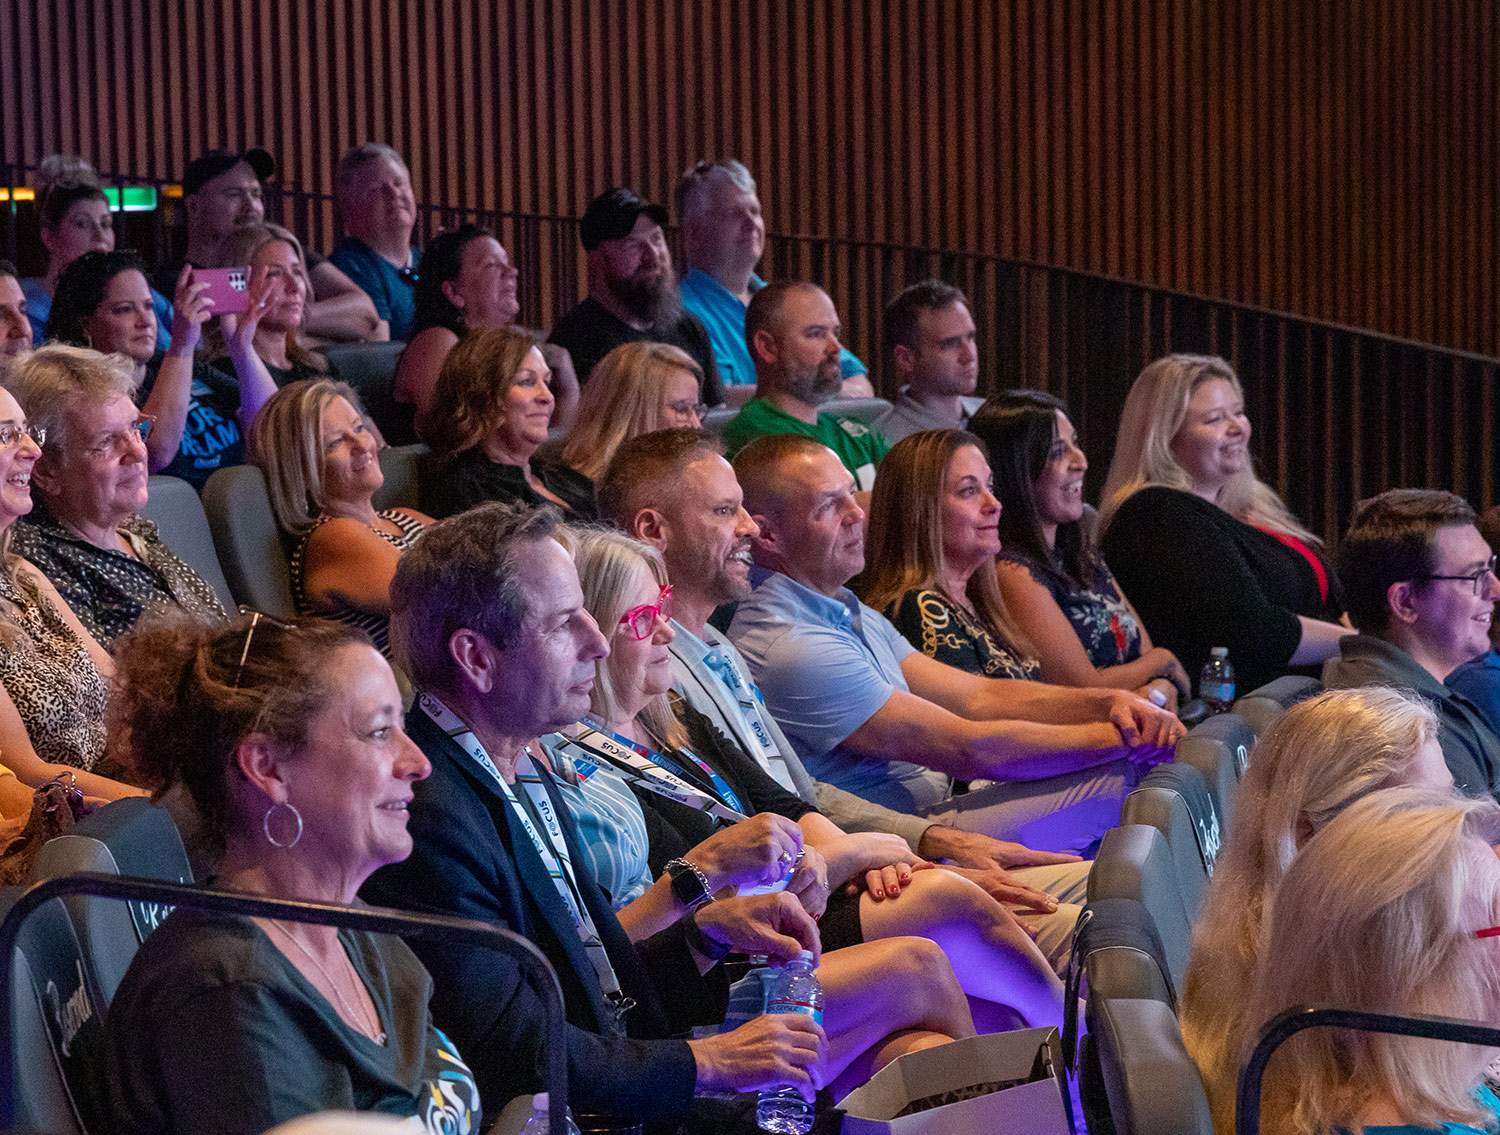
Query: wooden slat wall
(1340, 161)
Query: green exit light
(131, 198)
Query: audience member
(674, 491)
(1320, 756)
(278, 295)
(322, 466)
(221, 192)
(1420, 583)
(633, 293)
(372, 188)
(15, 325)
(636, 389)
(1055, 584)
(1245, 574)
(793, 332)
(488, 620)
(1479, 678)
(1389, 909)
(863, 706)
(197, 411)
(85, 533)
(489, 417)
(866, 887)
(723, 236)
(234, 1024)
(932, 348)
(468, 282)
(53, 674)
(930, 551)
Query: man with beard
(934, 350)
(723, 236)
(633, 293)
(792, 331)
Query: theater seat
(1175, 800)
(1152, 1084)
(1264, 705)
(370, 368)
(401, 465)
(1219, 748)
(175, 508)
(56, 1027)
(129, 837)
(1134, 862)
(248, 540)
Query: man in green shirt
(792, 331)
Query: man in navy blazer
(488, 620)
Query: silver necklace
(373, 1031)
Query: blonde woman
(1391, 909)
(638, 388)
(1207, 552)
(1318, 758)
(625, 589)
(278, 269)
(489, 417)
(321, 459)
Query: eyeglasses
(10, 436)
(642, 620)
(697, 409)
(1477, 580)
(113, 445)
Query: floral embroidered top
(1104, 623)
(941, 629)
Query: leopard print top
(50, 675)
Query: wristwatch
(689, 884)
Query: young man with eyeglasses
(1420, 587)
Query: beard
(656, 300)
(818, 386)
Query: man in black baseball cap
(633, 290)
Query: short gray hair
(357, 159)
(54, 379)
(688, 198)
(461, 575)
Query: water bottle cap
(805, 956)
(542, 1101)
(1220, 652)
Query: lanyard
(553, 851)
(752, 713)
(644, 768)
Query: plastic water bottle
(1216, 681)
(793, 989)
(540, 1121)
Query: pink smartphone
(228, 288)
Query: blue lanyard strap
(652, 771)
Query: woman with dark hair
(199, 413)
(1052, 577)
(76, 219)
(489, 417)
(288, 739)
(467, 282)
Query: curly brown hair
(183, 700)
(470, 394)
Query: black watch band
(689, 884)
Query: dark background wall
(1109, 179)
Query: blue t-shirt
(393, 290)
(39, 309)
(1479, 681)
(722, 313)
(825, 667)
(1483, 1096)
(211, 437)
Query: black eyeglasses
(1477, 579)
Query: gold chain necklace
(373, 1031)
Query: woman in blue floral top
(1053, 580)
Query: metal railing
(374, 920)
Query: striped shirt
(378, 627)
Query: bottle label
(1216, 691)
(787, 1005)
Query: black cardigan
(1200, 578)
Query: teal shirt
(858, 446)
(723, 315)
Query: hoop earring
(265, 826)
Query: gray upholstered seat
(175, 508)
(1219, 748)
(1134, 862)
(1264, 705)
(1175, 800)
(1151, 1081)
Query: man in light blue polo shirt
(871, 715)
(724, 235)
